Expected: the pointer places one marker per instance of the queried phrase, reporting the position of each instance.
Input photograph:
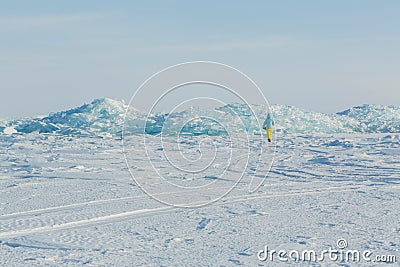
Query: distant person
(267, 126)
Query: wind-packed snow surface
(70, 201)
(105, 117)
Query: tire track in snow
(159, 210)
(82, 223)
(97, 202)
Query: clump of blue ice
(106, 117)
(376, 118)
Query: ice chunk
(106, 117)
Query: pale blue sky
(320, 55)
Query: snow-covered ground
(68, 200)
